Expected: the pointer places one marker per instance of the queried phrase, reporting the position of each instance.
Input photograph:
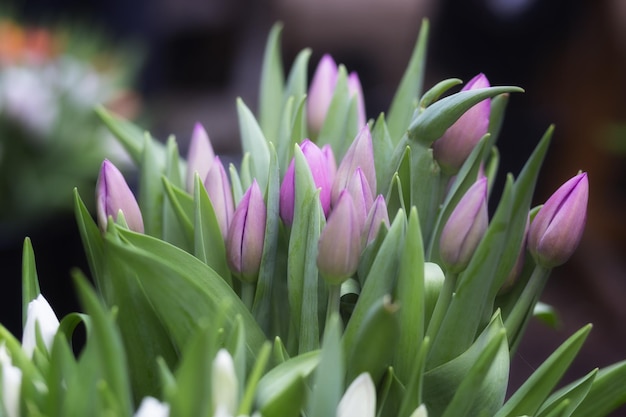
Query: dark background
(569, 56)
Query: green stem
(445, 295)
(247, 294)
(521, 312)
(334, 295)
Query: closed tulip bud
(39, 315)
(151, 407)
(327, 150)
(318, 163)
(199, 155)
(224, 383)
(465, 227)
(557, 228)
(377, 216)
(220, 194)
(355, 89)
(361, 194)
(360, 154)
(321, 92)
(339, 244)
(359, 399)
(113, 195)
(11, 384)
(453, 148)
(244, 243)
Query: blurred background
(186, 60)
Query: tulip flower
(453, 148)
(244, 243)
(359, 399)
(377, 216)
(11, 384)
(557, 228)
(114, 196)
(199, 155)
(361, 194)
(465, 227)
(151, 407)
(321, 92)
(420, 411)
(321, 170)
(39, 315)
(360, 154)
(339, 244)
(327, 150)
(355, 89)
(220, 194)
(224, 383)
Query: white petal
(224, 385)
(420, 411)
(39, 311)
(151, 407)
(359, 399)
(11, 384)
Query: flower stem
(247, 294)
(521, 312)
(445, 295)
(334, 295)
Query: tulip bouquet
(345, 268)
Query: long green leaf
(271, 85)
(253, 141)
(607, 393)
(30, 282)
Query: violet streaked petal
(355, 89)
(557, 228)
(361, 194)
(377, 216)
(288, 194)
(218, 188)
(113, 195)
(199, 155)
(321, 92)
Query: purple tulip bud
(339, 244)
(558, 227)
(321, 92)
(360, 154)
(355, 89)
(453, 148)
(377, 215)
(199, 156)
(113, 195)
(330, 161)
(465, 227)
(244, 243)
(317, 161)
(361, 194)
(220, 194)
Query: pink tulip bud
(244, 243)
(557, 229)
(327, 150)
(321, 92)
(220, 194)
(360, 154)
(339, 244)
(453, 148)
(318, 163)
(355, 89)
(361, 194)
(113, 195)
(465, 227)
(199, 156)
(377, 215)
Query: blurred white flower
(11, 384)
(39, 314)
(151, 407)
(224, 385)
(359, 399)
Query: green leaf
(254, 142)
(410, 88)
(62, 365)
(409, 295)
(427, 187)
(329, 374)
(182, 289)
(30, 282)
(178, 215)
(209, 244)
(432, 123)
(383, 148)
(271, 85)
(547, 314)
(390, 395)
(280, 393)
(435, 92)
(607, 393)
(531, 395)
(151, 188)
(245, 407)
(496, 117)
(574, 394)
